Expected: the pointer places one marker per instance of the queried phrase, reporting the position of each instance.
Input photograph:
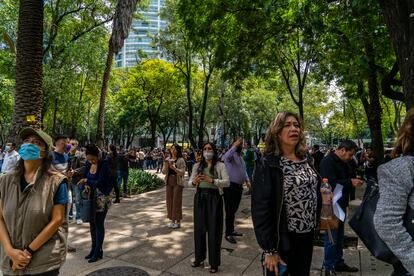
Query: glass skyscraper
(141, 36)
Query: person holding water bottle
(285, 199)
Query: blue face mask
(29, 152)
(7, 148)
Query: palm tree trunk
(121, 25)
(29, 96)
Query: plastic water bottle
(326, 191)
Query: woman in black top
(99, 181)
(285, 199)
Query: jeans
(122, 176)
(76, 195)
(249, 171)
(334, 253)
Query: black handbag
(362, 222)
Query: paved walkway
(136, 235)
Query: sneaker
(79, 221)
(175, 226)
(125, 195)
(170, 225)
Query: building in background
(141, 36)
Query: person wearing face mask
(99, 182)
(236, 168)
(11, 158)
(33, 202)
(210, 177)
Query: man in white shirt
(10, 158)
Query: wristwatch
(28, 249)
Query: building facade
(142, 36)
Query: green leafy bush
(140, 181)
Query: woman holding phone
(174, 170)
(286, 199)
(209, 176)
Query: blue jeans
(76, 197)
(334, 253)
(249, 171)
(122, 176)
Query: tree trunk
(399, 18)
(153, 130)
(55, 116)
(100, 134)
(203, 110)
(29, 95)
(190, 112)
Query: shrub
(140, 181)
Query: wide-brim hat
(43, 135)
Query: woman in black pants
(286, 199)
(209, 176)
(98, 181)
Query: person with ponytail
(209, 176)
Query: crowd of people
(43, 181)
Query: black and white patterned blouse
(299, 195)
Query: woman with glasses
(33, 203)
(209, 176)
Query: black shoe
(330, 273)
(230, 239)
(87, 257)
(117, 201)
(96, 258)
(236, 234)
(345, 268)
(90, 255)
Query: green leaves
(140, 182)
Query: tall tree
(175, 40)
(28, 96)
(120, 29)
(399, 16)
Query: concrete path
(136, 235)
